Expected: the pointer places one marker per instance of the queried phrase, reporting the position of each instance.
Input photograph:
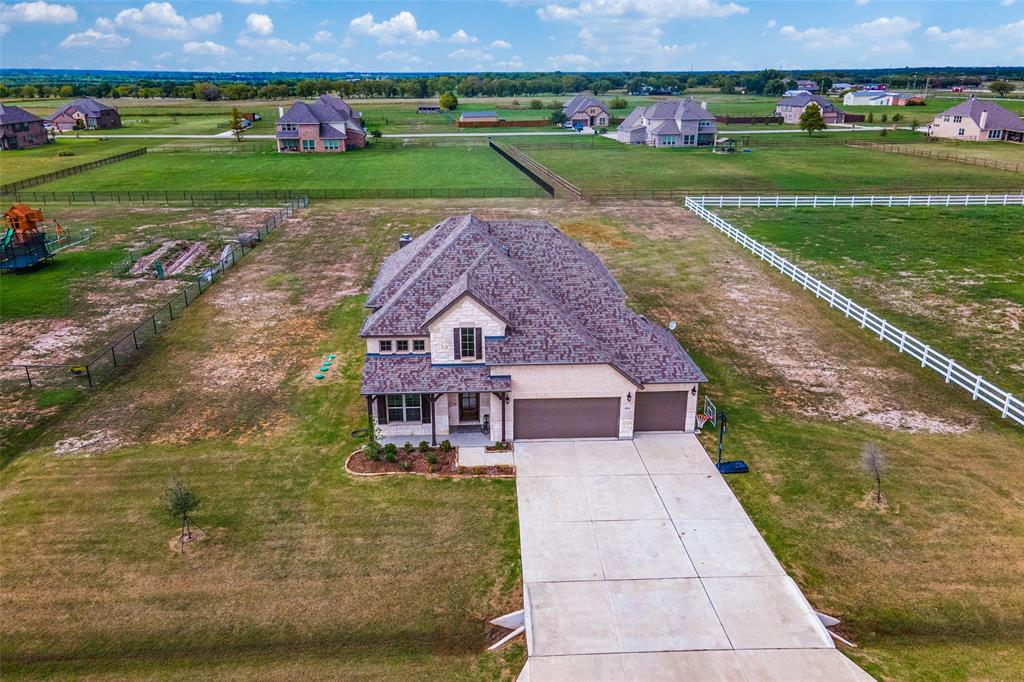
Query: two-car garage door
(566, 418)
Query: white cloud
(271, 44)
(160, 20)
(205, 47)
(627, 34)
(861, 3)
(570, 62)
(771, 24)
(399, 56)
(501, 45)
(37, 13)
(399, 29)
(322, 36)
(95, 39)
(460, 37)
(251, 2)
(513, 64)
(259, 24)
(586, 10)
(1006, 37)
(327, 59)
(1007, 3)
(878, 35)
(470, 53)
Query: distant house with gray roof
(790, 108)
(590, 111)
(327, 124)
(85, 113)
(20, 129)
(978, 120)
(514, 329)
(679, 123)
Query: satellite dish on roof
(672, 325)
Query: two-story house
(513, 328)
(790, 108)
(978, 120)
(587, 110)
(682, 123)
(327, 124)
(85, 113)
(20, 129)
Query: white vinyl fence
(814, 201)
(979, 388)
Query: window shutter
(425, 408)
(479, 342)
(382, 409)
(458, 343)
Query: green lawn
(25, 163)
(781, 165)
(47, 292)
(377, 167)
(950, 277)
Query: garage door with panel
(660, 411)
(566, 418)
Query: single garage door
(566, 418)
(660, 411)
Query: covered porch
(409, 399)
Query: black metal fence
(124, 350)
(65, 172)
(536, 177)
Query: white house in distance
(978, 120)
(514, 329)
(681, 123)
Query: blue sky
(514, 35)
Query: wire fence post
(28, 375)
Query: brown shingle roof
(416, 374)
(561, 303)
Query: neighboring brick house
(978, 120)
(514, 325)
(790, 108)
(589, 111)
(92, 114)
(681, 123)
(327, 124)
(20, 129)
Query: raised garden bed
(431, 461)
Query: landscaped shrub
(390, 451)
(372, 451)
(391, 457)
(883, 132)
(408, 448)
(424, 446)
(871, 117)
(375, 134)
(431, 458)
(405, 465)
(446, 445)
(66, 152)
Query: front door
(469, 407)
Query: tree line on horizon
(764, 82)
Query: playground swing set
(29, 240)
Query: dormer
(459, 331)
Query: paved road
(639, 564)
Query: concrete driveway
(640, 564)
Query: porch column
(433, 417)
(369, 419)
(501, 397)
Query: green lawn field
(310, 573)
(19, 164)
(788, 167)
(377, 167)
(950, 277)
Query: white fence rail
(952, 372)
(814, 201)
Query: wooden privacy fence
(532, 123)
(70, 170)
(121, 351)
(523, 161)
(953, 373)
(942, 156)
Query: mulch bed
(416, 463)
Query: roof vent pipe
(704, 105)
(280, 112)
(984, 119)
(404, 240)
